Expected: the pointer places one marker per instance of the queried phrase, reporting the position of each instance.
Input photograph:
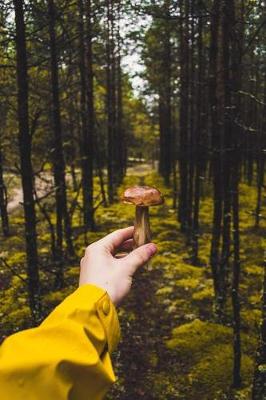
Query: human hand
(100, 267)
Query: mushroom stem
(142, 232)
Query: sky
(131, 61)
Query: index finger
(116, 238)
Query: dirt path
(140, 169)
(143, 357)
(43, 184)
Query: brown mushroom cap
(143, 196)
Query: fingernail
(152, 249)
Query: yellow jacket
(67, 356)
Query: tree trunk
(58, 157)
(184, 93)
(25, 162)
(110, 104)
(226, 107)
(198, 147)
(89, 142)
(216, 147)
(122, 155)
(235, 87)
(165, 98)
(261, 161)
(87, 114)
(3, 199)
(191, 169)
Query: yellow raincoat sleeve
(67, 356)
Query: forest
(100, 95)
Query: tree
(3, 200)
(58, 156)
(25, 161)
(87, 111)
(183, 116)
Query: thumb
(138, 257)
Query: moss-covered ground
(171, 347)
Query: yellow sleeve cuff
(85, 298)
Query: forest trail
(44, 184)
(16, 200)
(140, 170)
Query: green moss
(18, 316)
(255, 299)
(213, 373)
(54, 298)
(189, 283)
(206, 350)
(164, 290)
(192, 338)
(153, 359)
(177, 305)
(164, 386)
(175, 269)
(72, 272)
(207, 293)
(251, 319)
(18, 257)
(253, 270)
(167, 235)
(164, 246)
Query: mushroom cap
(143, 196)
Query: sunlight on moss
(255, 299)
(164, 290)
(193, 337)
(206, 293)
(187, 283)
(251, 318)
(17, 258)
(253, 270)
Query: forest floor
(171, 347)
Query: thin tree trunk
(110, 105)
(25, 162)
(165, 99)
(261, 161)
(191, 170)
(198, 147)
(183, 148)
(216, 148)
(58, 156)
(227, 158)
(235, 87)
(87, 114)
(89, 143)
(3, 199)
(122, 156)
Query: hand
(100, 267)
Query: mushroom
(142, 197)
